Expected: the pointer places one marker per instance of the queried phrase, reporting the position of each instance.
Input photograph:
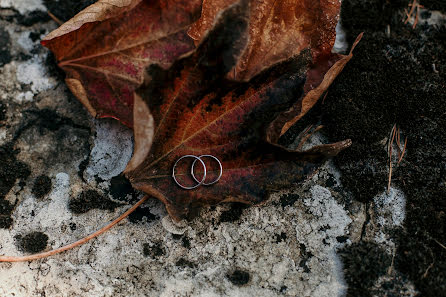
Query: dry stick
(440, 244)
(389, 144)
(77, 243)
(307, 136)
(389, 271)
(427, 270)
(404, 150)
(390, 157)
(417, 16)
(414, 6)
(55, 18)
(398, 143)
(411, 11)
(303, 134)
(325, 96)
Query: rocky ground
(337, 234)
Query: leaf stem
(77, 243)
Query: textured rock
(63, 183)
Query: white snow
(23, 6)
(34, 73)
(341, 44)
(113, 148)
(22, 97)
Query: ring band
(199, 183)
(203, 182)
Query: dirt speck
(5, 43)
(91, 199)
(10, 171)
(142, 212)
(183, 263)
(2, 111)
(363, 262)
(233, 214)
(66, 9)
(153, 250)
(42, 186)
(120, 187)
(33, 242)
(239, 277)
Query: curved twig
(74, 244)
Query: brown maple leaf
(278, 30)
(105, 48)
(320, 76)
(192, 109)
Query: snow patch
(112, 150)
(389, 212)
(2, 136)
(341, 44)
(23, 6)
(34, 73)
(57, 204)
(25, 42)
(325, 221)
(24, 97)
(390, 208)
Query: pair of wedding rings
(192, 171)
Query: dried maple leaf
(105, 48)
(320, 76)
(192, 109)
(278, 30)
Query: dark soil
(42, 186)
(66, 9)
(11, 170)
(183, 263)
(153, 250)
(239, 277)
(400, 79)
(33, 242)
(32, 18)
(91, 199)
(142, 212)
(234, 213)
(434, 4)
(2, 113)
(364, 263)
(120, 187)
(5, 43)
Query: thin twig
(427, 270)
(440, 244)
(308, 135)
(389, 271)
(404, 150)
(413, 6)
(398, 143)
(77, 243)
(409, 15)
(55, 18)
(390, 157)
(325, 96)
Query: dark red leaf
(192, 109)
(106, 47)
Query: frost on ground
(113, 148)
(389, 212)
(33, 73)
(23, 6)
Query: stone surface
(60, 181)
